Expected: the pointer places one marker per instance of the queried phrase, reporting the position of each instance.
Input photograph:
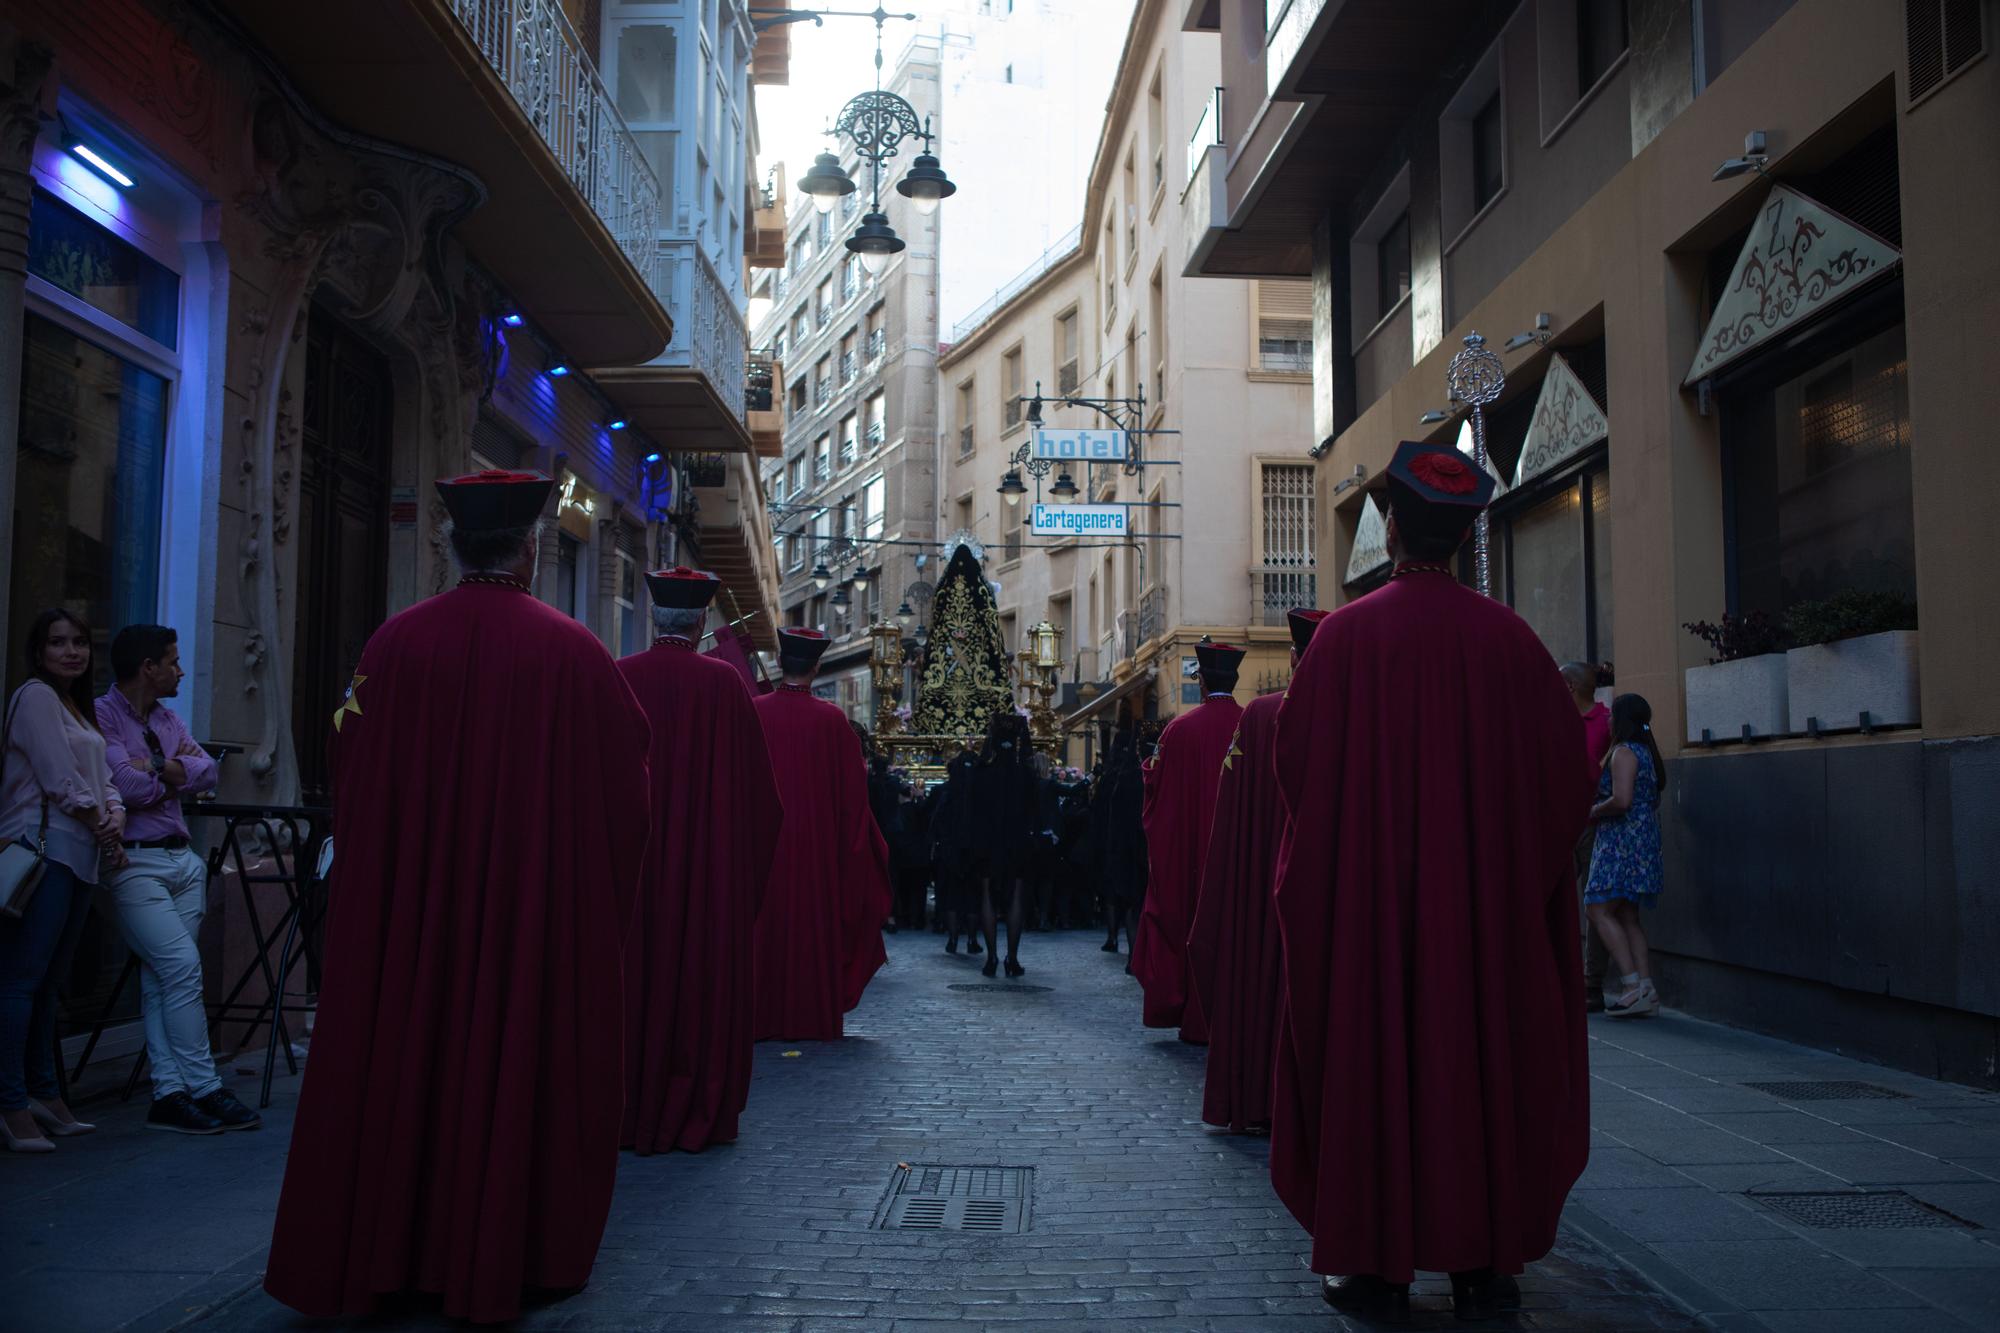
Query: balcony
(733, 530)
(1275, 590)
(763, 412)
(764, 238)
(504, 89)
(875, 346)
(771, 58)
(1152, 615)
(693, 396)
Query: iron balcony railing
(875, 433)
(876, 343)
(1128, 634)
(1207, 132)
(846, 367)
(1276, 590)
(757, 396)
(1153, 615)
(538, 56)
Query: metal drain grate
(999, 987)
(1884, 1210)
(1835, 1090)
(989, 1200)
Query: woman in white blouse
(52, 767)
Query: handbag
(21, 862)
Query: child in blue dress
(1625, 867)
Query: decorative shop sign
(1371, 542)
(1801, 258)
(1078, 521)
(1089, 446)
(1567, 421)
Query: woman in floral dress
(1625, 868)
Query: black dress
(1117, 812)
(1006, 820)
(953, 854)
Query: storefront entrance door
(342, 531)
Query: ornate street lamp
(906, 615)
(821, 575)
(1011, 487)
(878, 122)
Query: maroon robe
(458, 1127)
(1180, 805)
(819, 937)
(1235, 959)
(716, 816)
(1432, 1101)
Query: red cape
(457, 1130)
(688, 996)
(1180, 805)
(1235, 958)
(819, 938)
(1432, 1100)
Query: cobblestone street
(1138, 1219)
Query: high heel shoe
(1014, 969)
(972, 947)
(30, 1144)
(992, 966)
(55, 1127)
(1109, 946)
(1368, 1296)
(1483, 1294)
(951, 945)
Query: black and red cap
(1442, 477)
(1220, 658)
(494, 501)
(1302, 621)
(801, 647)
(681, 588)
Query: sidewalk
(1836, 1196)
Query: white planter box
(1725, 697)
(1835, 683)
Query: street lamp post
(878, 122)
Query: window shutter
(1285, 300)
(1943, 37)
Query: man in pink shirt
(1581, 677)
(161, 893)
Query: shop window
(1818, 455)
(91, 472)
(69, 251)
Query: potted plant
(1743, 685)
(1855, 653)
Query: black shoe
(1483, 1294)
(951, 945)
(992, 966)
(1014, 969)
(972, 947)
(889, 928)
(223, 1106)
(1368, 1296)
(177, 1113)
(1109, 946)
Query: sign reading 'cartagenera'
(1090, 446)
(1078, 521)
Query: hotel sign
(1084, 446)
(1078, 521)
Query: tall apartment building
(854, 490)
(1753, 234)
(1221, 513)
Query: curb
(1672, 1281)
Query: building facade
(854, 491)
(1219, 508)
(270, 272)
(1729, 257)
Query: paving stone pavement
(1140, 1220)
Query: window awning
(1109, 697)
(1371, 542)
(1801, 258)
(1567, 421)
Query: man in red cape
(1180, 804)
(1432, 1103)
(1235, 959)
(819, 937)
(688, 997)
(458, 1128)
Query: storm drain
(1884, 1210)
(1834, 1090)
(998, 987)
(992, 1200)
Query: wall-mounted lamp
(1359, 475)
(1538, 335)
(513, 319)
(1433, 417)
(616, 423)
(91, 158)
(1754, 158)
(558, 370)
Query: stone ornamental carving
(1801, 257)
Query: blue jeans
(35, 953)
